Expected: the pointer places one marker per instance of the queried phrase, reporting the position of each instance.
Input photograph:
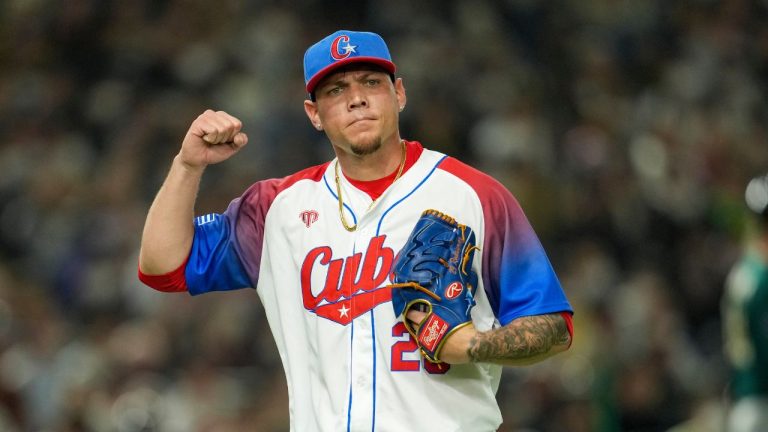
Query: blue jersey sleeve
(517, 275)
(214, 262)
(227, 248)
(524, 281)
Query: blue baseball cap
(342, 48)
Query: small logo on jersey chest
(308, 217)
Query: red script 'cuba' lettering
(349, 291)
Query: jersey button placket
(361, 416)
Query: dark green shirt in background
(745, 313)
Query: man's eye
(372, 82)
(334, 91)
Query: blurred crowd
(627, 130)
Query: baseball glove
(434, 269)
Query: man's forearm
(524, 341)
(168, 231)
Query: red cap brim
(322, 73)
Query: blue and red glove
(433, 273)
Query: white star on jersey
(343, 311)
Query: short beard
(364, 150)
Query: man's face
(358, 108)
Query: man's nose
(357, 98)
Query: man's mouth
(361, 120)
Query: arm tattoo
(523, 338)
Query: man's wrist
(456, 348)
(188, 167)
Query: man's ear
(311, 109)
(400, 93)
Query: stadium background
(627, 130)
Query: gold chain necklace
(352, 228)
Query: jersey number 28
(399, 348)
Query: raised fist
(213, 137)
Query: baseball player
(745, 313)
(321, 246)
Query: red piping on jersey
(173, 281)
(375, 188)
(568, 323)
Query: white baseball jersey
(349, 362)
